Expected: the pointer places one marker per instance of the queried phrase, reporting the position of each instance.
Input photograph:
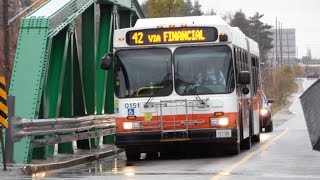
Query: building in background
(284, 50)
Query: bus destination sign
(172, 35)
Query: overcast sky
(303, 15)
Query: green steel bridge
(57, 72)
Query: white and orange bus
(184, 83)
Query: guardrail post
(109, 139)
(3, 151)
(9, 139)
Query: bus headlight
(131, 125)
(219, 121)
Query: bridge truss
(56, 70)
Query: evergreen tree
(211, 12)
(188, 8)
(261, 33)
(196, 9)
(255, 29)
(239, 20)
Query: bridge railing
(62, 129)
(44, 132)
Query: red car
(265, 114)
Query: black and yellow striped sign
(3, 103)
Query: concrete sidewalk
(59, 161)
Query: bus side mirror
(244, 77)
(106, 61)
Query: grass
(280, 87)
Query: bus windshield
(143, 73)
(203, 70)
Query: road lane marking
(231, 168)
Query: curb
(32, 169)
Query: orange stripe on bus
(170, 122)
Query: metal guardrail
(55, 130)
(62, 129)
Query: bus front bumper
(156, 138)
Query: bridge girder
(57, 66)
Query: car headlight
(263, 111)
(219, 121)
(131, 125)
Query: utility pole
(277, 60)
(281, 50)
(288, 47)
(5, 26)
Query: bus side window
(236, 61)
(246, 61)
(254, 74)
(258, 73)
(241, 61)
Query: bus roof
(238, 38)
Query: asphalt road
(284, 153)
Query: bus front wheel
(234, 149)
(246, 143)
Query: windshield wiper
(191, 88)
(166, 77)
(197, 95)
